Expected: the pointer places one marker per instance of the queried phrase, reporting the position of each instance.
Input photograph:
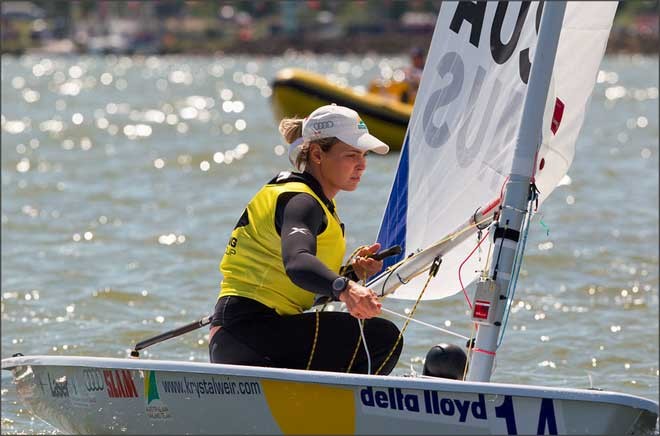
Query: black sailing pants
(254, 334)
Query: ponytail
(291, 129)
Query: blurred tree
(628, 10)
(201, 9)
(637, 7)
(396, 8)
(264, 8)
(169, 8)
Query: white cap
(344, 124)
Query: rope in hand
(361, 337)
(432, 272)
(363, 281)
(316, 336)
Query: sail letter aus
(474, 14)
(479, 78)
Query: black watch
(339, 285)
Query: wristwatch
(339, 285)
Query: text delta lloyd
(431, 403)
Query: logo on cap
(323, 125)
(361, 125)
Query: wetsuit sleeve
(302, 220)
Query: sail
(459, 144)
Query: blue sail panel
(393, 227)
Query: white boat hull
(86, 395)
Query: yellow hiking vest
(252, 265)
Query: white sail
(459, 144)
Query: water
(123, 177)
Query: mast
(490, 299)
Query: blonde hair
(291, 129)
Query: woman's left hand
(365, 266)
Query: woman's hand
(361, 302)
(364, 266)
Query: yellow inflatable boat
(298, 92)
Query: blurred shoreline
(390, 44)
(393, 43)
(381, 44)
(256, 28)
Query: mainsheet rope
(433, 269)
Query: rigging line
(350, 258)
(403, 282)
(449, 332)
(364, 341)
(316, 337)
(499, 253)
(361, 339)
(517, 263)
(357, 347)
(449, 237)
(445, 239)
(470, 346)
(490, 251)
(432, 272)
(467, 298)
(502, 190)
(392, 270)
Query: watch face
(339, 284)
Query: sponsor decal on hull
(59, 387)
(68, 387)
(472, 410)
(93, 380)
(119, 383)
(155, 408)
(203, 387)
(41, 384)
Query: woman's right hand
(360, 301)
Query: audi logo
(323, 125)
(93, 380)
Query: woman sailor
(287, 246)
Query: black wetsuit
(254, 334)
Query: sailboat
(493, 129)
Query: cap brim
(367, 142)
